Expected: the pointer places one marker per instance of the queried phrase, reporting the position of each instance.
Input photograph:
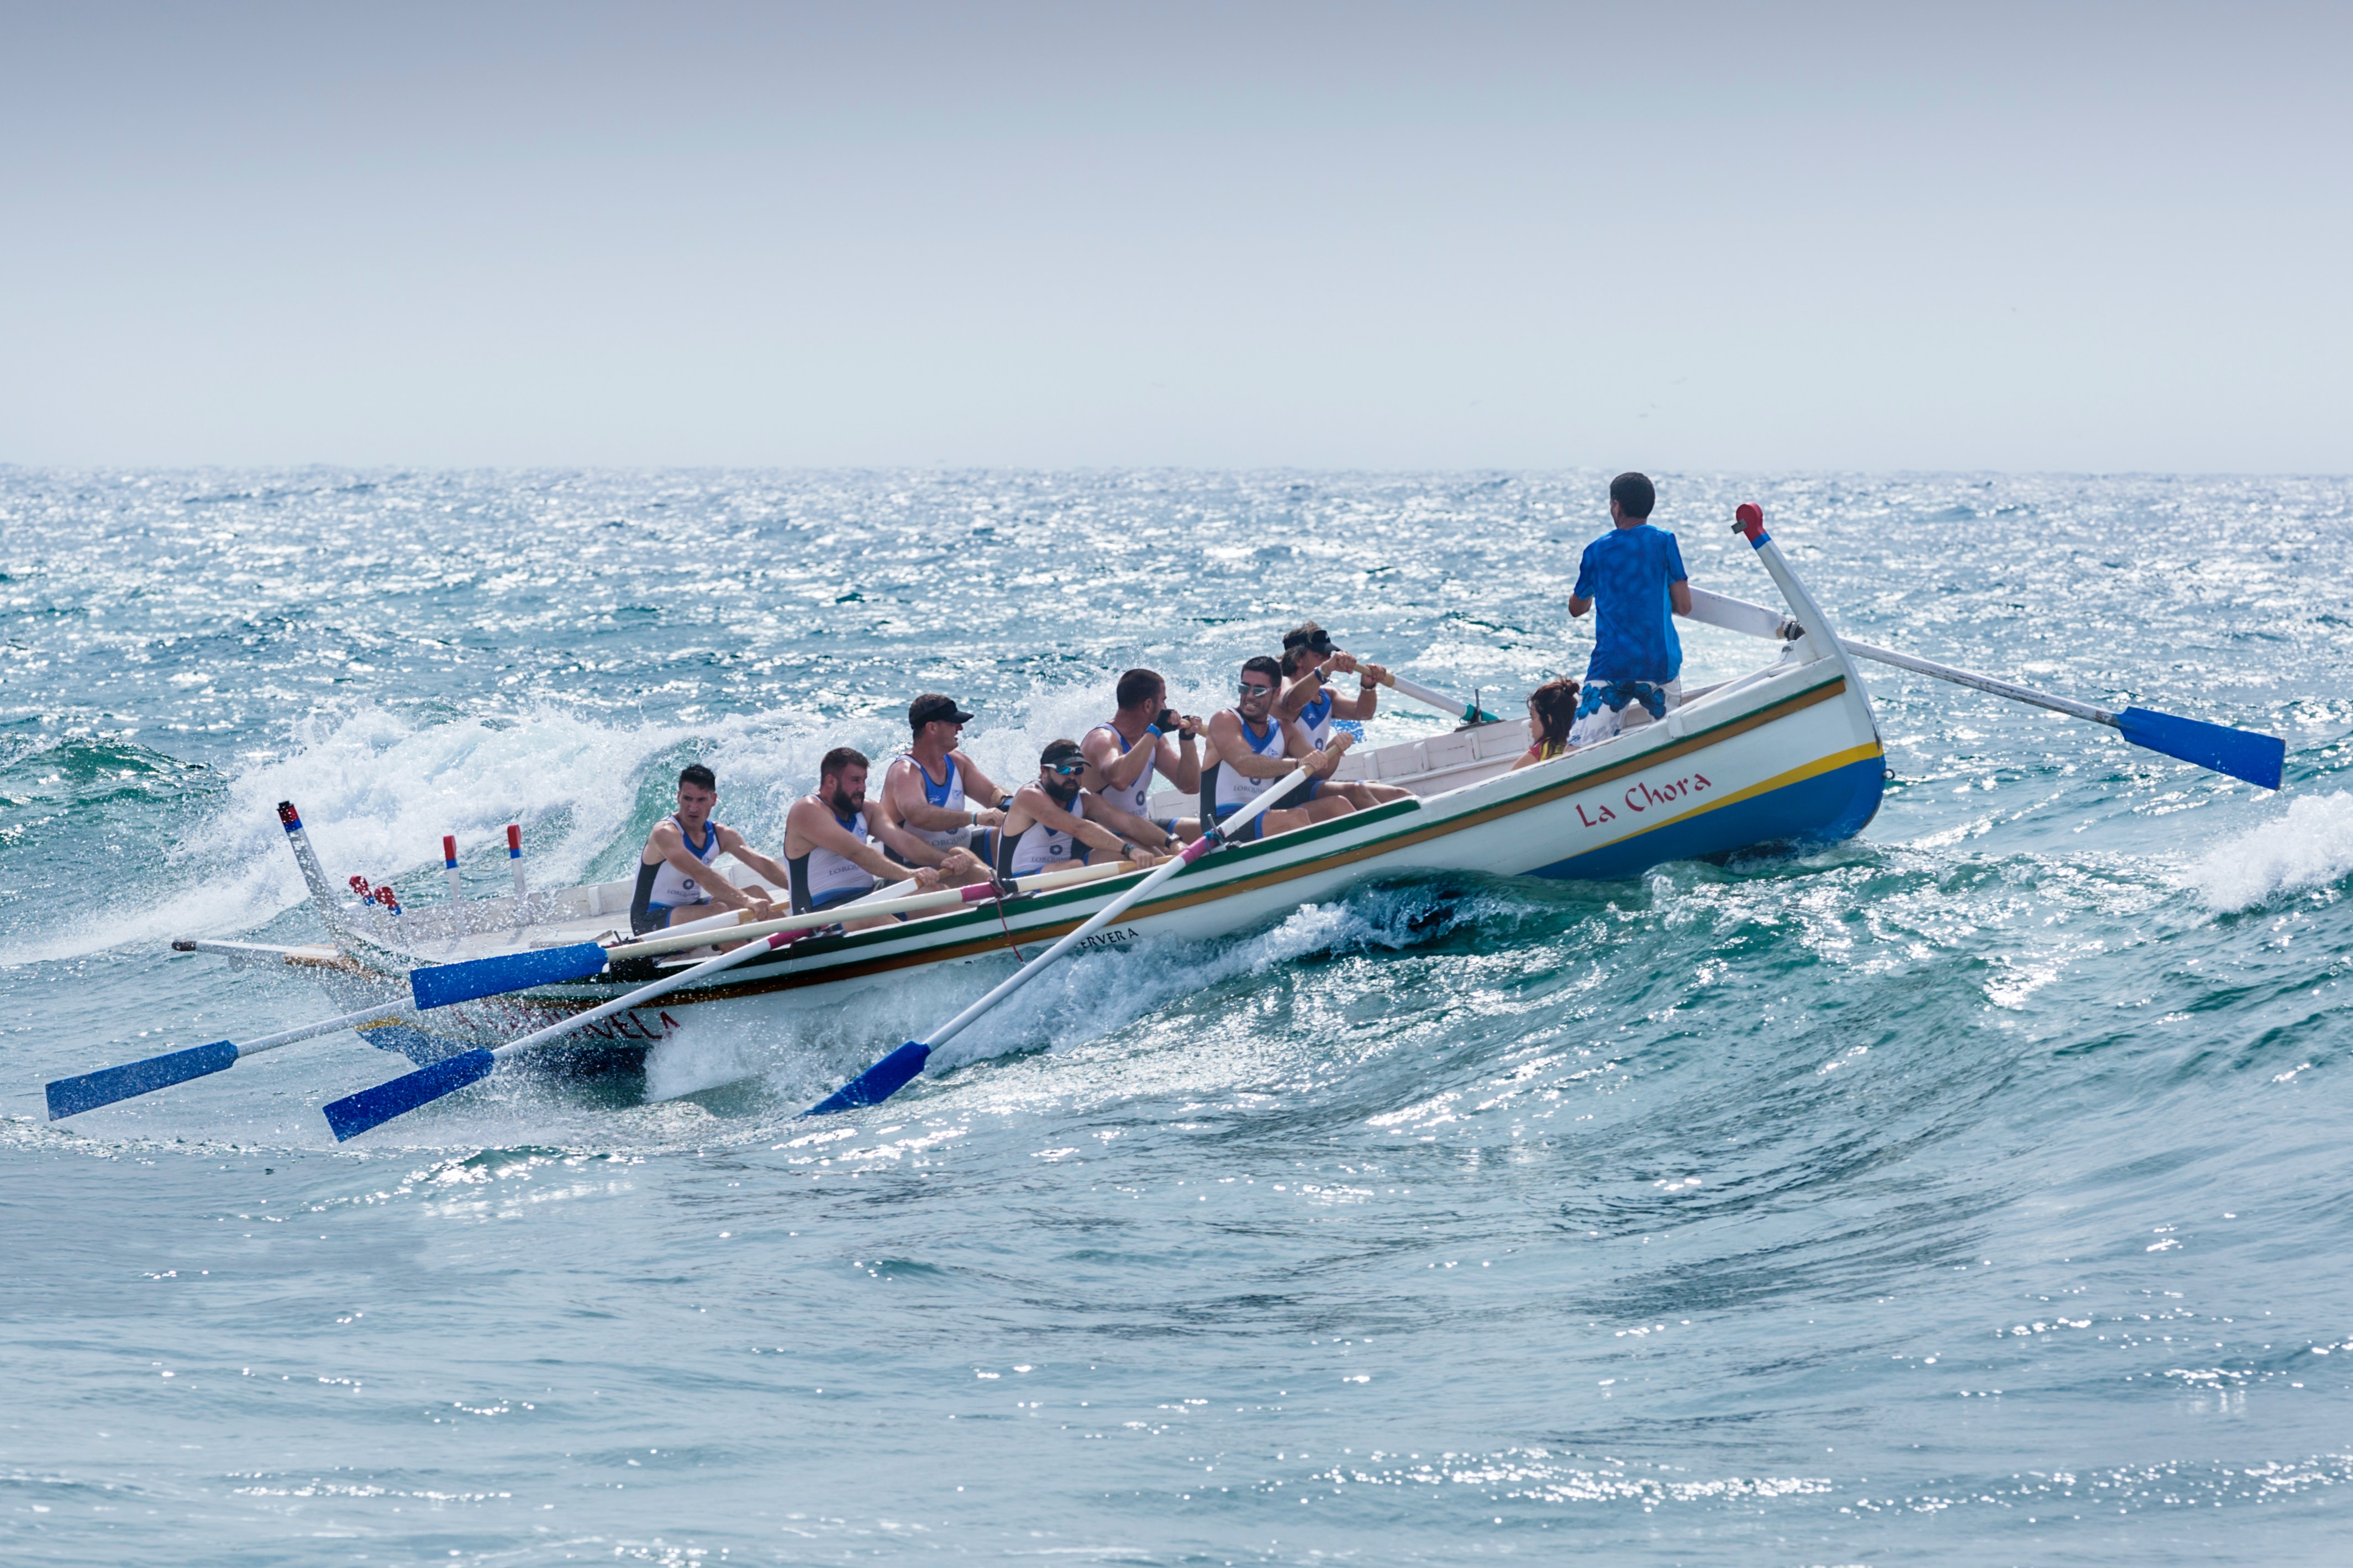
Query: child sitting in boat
(1552, 710)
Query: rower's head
(1059, 767)
(1142, 692)
(1305, 647)
(1631, 496)
(936, 721)
(1552, 709)
(698, 791)
(841, 779)
(1262, 679)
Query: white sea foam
(377, 790)
(2310, 845)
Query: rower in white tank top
(822, 879)
(948, 796)
(1224, 788)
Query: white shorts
(1605, 721)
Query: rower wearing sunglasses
(1053, 823)
(1255, 748)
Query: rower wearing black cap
(1310, 660)
(929, 811)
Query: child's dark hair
(1555, 705)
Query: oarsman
(676, 881)
(935, 798)
(1634, 573)
(1055, 823)
(1255, 749)
(829, 853)
(1145, 737)
(1308, 700)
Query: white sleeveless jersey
(675, 888)
(1038, 848)
(948, 796)
(821, 871)
(1316, 719)
(1137, 797)
(1234, 787)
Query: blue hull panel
(1825, 809)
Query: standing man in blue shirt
(1634, 574)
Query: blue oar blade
(2243, 753)
(439, 984)
(72, 1096)
(355, 1114)
(877, 1083)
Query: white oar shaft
(1118, 907)
(645, 994)
(1739, 616)
(385, 1014)
(1453, 706)
(720, 929)
(1981, 682)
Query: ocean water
(1973, 1191)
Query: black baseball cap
(930, 705)
(1310, 637)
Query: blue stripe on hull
(1827, 808)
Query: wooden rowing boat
(1789, 753)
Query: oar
(72, 1096)
(1469, 712)
(894, 1072)
(2248, 755)
(719, 929)
(356, 1113)
(433, 985)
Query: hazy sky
(2069, 236)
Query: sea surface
(1976, 1191)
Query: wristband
(1153, 731)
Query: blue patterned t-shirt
(1625, 573)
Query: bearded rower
(829, 856)
(675, 882)
(1309, 662)
(1145, 737)
(1055, 823)
(1255, 748)
(926, 815)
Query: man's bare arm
(1235, 753)
(703, 875)
(1577, 607)
(904, 791)
(980, 786)
(1119, 769)
(818, 827)
(1131, 828)
(1679, 593)
(732, 843)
